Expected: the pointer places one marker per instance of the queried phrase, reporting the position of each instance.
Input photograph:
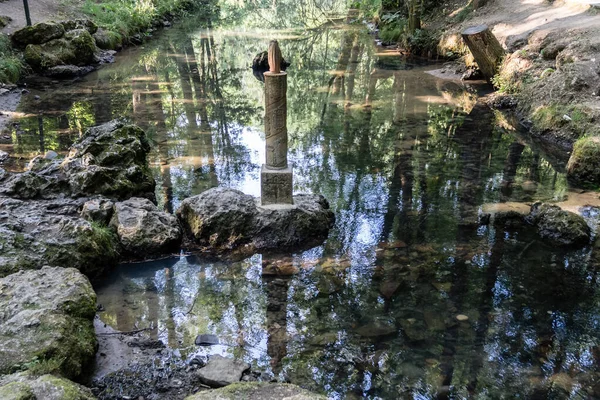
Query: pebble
(462, 317)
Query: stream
(409, 297)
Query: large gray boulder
(559, 227)
(221, 371)
(46, 322)
(110, 160)
(51, 232)
(219, 217)
(222, 219)
(27, 386)
(257, 391)
(76, 47)
(144, 230)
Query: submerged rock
(221, 371)
(37, 34)
(582, 168)
(110, 159)
(258, 391)
(224, 219)
(206, 339)
(38, 233)
(46, 322)
(26, 386)
(68, 71)
(559, 227)
(144, 230)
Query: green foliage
(392, 32)
(555, 116)
(125, 18)
(10, 64)
(422, 41)
(507, 82)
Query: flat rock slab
(258, 391)
(223, 219)
(46, 321)
(221, 371)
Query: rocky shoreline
(65, 221)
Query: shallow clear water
(409, 297)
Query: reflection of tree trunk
(170, 306)
(473, 137)
(156, 113)
(277, 294)
(41, 131)
(138, 90)
(356, 51)
(342, 63)
(183, 68)
(534, 168)
(486, 306)
(510, 169)
(101, 103)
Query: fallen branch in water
(126, 333)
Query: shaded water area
(409, 297)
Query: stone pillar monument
(276, 174)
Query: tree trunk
(485, 48)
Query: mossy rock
(37, 34)
(583, 168)
(16, 391)
(76, 47)
(257, 391)
(27, 386)
(108, 40)
(73, 24)
(46, 325)
(558, 227)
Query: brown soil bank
(551, 73)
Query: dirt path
(40, 11)
(512, 19)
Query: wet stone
(206, 339)
(221, 371)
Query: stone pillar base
(276, 186)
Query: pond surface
(409, 297)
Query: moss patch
(16, 391)
(583, 167)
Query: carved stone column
(276, 174)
